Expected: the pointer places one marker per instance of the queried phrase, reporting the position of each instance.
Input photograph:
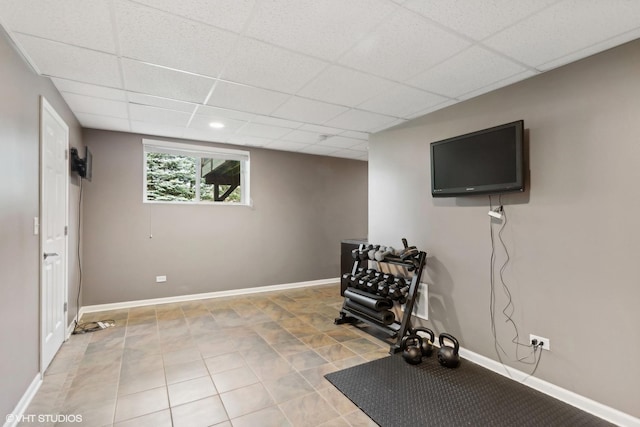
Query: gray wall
(20, 91)
(573, 236)
(303, 206)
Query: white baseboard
(15, 416)
(591, 406)
(72, 326)
(207, 295)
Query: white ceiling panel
(73, 63)
(363, 121)
(98, 106)
(287, 146)
(321, 28)
(307, 110)
(228, 14)
(271, 67)
(343, 86)
(477, 67)
(70, 86)
(565, 28)
(253, 141)
(403, 46)
(272, 121)
(477, 19)
(144, 113)
(156, 101)
(356, 135)
(349, 154)
(501, 83)
(302, 136)
(98, 121)
(202, 121)
(156, 129)
(225, 113)
(163, 82)
(401, 101)
(321, 150)
(265, 131)
(157, 37)
(76, 22)
(340, 142)
(325, 130)
(246, 98)
(293, 74)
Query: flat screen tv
(483, 162)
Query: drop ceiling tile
(403, 46)
(92, 105)
(401, 101)
(72, 63)
(307, 110)
(477, 19)
(339, 142)
(467, 71)
(321, 150)
(266, 120)
(356, 135)
(158, 81)
(204, 135)
(228, 14)
(325, 130)
(94, 121)
(160, 116)
(565, 28)
(388, 125)
(321, 28)
(71, 86)
(349, 154)
(363, 121)
(302, 136)
(433, 108)
(343, 86)
(152, 36)
(246, 98)
(253, 141)
(287, 146)
(225, 113)
(270, 67)
(499, 84)
(263, 131)
(156, 129)
(157, 101)
(360, 147)
(591, 50)
(77, 22)
(201, 121)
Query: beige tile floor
(255, 360)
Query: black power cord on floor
(83, 328)
(509, 309)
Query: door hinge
(66, 154)
(65, 307)
(66, 230)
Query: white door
(54, 179)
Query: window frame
(198, 152)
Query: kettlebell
(427, 344)
(411, 349)
(448, 356)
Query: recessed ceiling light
(216, 125)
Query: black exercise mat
(394, 393)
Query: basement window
(186, 173)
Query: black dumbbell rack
(397, 329)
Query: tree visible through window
(186, 173)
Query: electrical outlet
(161, 279)
(546, 343)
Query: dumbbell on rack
(353, 279)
